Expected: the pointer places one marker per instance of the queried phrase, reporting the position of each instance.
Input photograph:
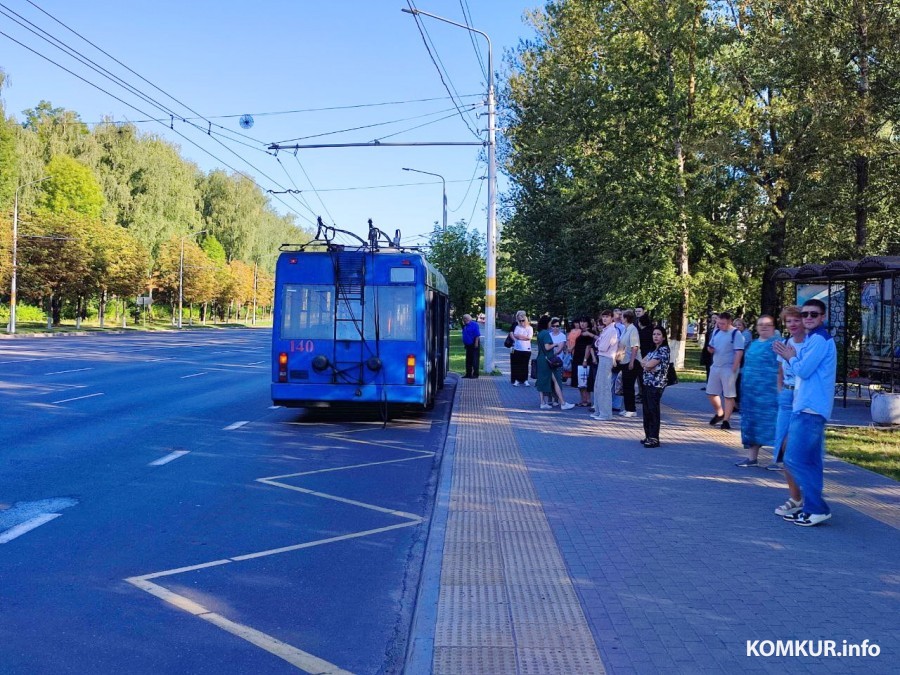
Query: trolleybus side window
(308, 312)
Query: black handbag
(671, 375)
(554, 362)
(509, 341)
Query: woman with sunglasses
(520, 356)
(549, 380)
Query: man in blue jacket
(814, 365)
(471, 337)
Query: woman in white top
(605, 347)
(790, 317)
(520, 356)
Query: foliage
(677, 152)
(71, 187)
(458, 253)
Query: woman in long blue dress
(549, 380)
(759, 392)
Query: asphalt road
(157, 515)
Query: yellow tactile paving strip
(507, 604)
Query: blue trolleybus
(358, 324)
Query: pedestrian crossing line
(296, 657)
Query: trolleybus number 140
(303, 346)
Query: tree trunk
(774, 255)
(56, 309)
(124, 312)
(78, 313)
(861, 161)
(101, 311)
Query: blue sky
(231, 58)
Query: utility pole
(490, 293)
(181, 276)
(11, 326)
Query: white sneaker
(599, 418)
(555, 404)
(567, 406)
(545, 406)
(515, 384)
(628, 413)
(527, 383)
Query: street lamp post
(490, 293)
(444, 182)
(181, 275)
(11, 327)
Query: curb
(420, 652)
(79, 333)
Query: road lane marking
(236, 425)
(18, 361)
(184, 377)
(296, 657)
(74, 370)
(77, 398)
(27, 526)
(255, 363)
(168, 458)
(274, 407)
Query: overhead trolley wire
(70, 51)
(467, 19)
(324, 109)
(376, 124)
(423, 32)
(143, 112)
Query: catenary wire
(143, 112)
(425, 40)
(467, 18)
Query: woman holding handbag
(655, 368)
(520, 355)
(549, 373)
(578, 346)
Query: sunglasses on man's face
(554, 325)
(810, 315)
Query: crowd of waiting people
(783, 387)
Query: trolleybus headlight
(373, 364)
(282, 367)
(320, 363)
(410, 369)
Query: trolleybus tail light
(282, 367)
(410, 369)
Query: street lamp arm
(416, 12)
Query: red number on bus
(303, 346)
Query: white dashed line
(236, 425)
(77, 398)
(274, 407)
(168, 458)
(27, 526)
(74, 370)
(184, 377)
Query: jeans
(473, 356)
(651, 410)
(603, 388)
(804, 460)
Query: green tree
(458, 253)
(72, 187)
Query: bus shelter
(863, 300)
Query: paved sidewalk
(567, 547)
